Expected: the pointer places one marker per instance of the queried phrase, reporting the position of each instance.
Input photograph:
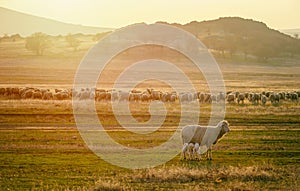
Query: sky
(277, 14)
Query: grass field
(41, 148)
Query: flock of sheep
(256, 98)
(147, 95)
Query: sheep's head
(224, 125)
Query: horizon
(179, 12)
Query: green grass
(40, 149)
(57, 158)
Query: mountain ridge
(13, 22)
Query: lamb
(187, 151)
(196, 152)
(205, 136)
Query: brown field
(41, 149)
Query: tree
(72, 41)
(265, 51)
(38, 42)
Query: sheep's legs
(209, 154)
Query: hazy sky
(278, 14)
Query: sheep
(2, 91)
(274, 98)
(187, 151)
(47, 96)
(36, 95)
(205, 136)
(294, 97)
(263, 100)
(201, 97)
(135, 97)
(221, 97)
(255, 98)
(8, 91)
(185, 97)
(241, 97)
(61, 95)
(184, 151)
(166, 97)
(231, 98)
(27, 94)
(15, 91)
(100, 96)
(123, 96)
(173, 97)
(155, 95)
(114, 95)
(268, 94)
(145, 97)
(208, 98)
(196, 151)
(108, 95)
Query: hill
(235, 35)
(13, 22)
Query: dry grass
(255, 177)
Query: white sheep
(187, 151)
(197, 152)
(205, 136)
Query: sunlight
(66, 5)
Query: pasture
(41, 148)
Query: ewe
(204, 136)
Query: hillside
(234, 35)
(13, 22)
